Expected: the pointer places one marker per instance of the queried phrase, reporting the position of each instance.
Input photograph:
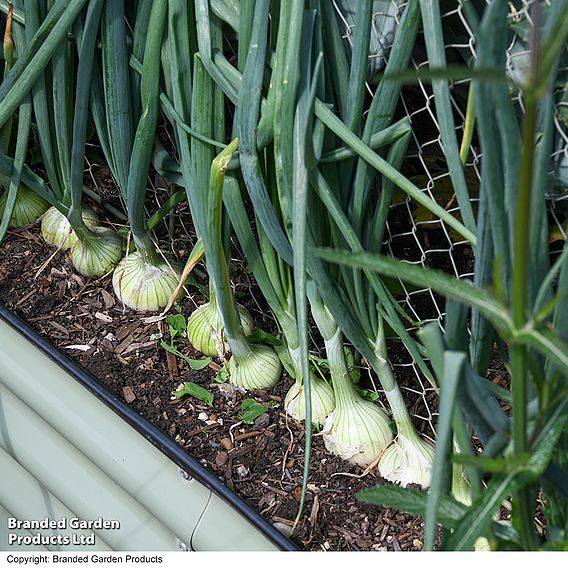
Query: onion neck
(212, 298)
(401, 416)
(296, 358)
(240, 347)
(400, 413)
(75, 218)
(146, 248)
(345, 393)
(290, 331)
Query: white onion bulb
(205, 328)
(145, 286)
(323, 401)
(57, 230)
(358, 431)
(408, 460)
(28, 207)
(96, 255)
(260, 368)
(461, 491)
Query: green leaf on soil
(195, 391)
(177, 325)
(412, 501)
(222, 376)
(450, 512)
(251, 410)
(195, 364)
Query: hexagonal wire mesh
(412, 234)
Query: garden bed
(368, 223)
(261, 462)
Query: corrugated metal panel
(23, 497)
(76, 481)
(80, 452)
(102, 436)
(4, 516)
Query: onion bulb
(357, 430)
(258, 367)
(98, 253)
(461, 489)
(322, 397)
(205, 328)
(323, 401)
(57, 230)
(145, 286)
(461, 492)
(28, 207)
(409, 458)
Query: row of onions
(316, 173)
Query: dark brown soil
(262, 462)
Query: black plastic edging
(152, 433)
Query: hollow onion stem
(357, 430)
(218, 268)
(251, 366)
(521, 252)
(145, 132)
(86, 59)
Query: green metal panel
(76, 481)
(26, 498)
(4, 516)
(102, 436)
(89, 461)
(236, 535)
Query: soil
(261, 462)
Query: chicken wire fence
(412, 234)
